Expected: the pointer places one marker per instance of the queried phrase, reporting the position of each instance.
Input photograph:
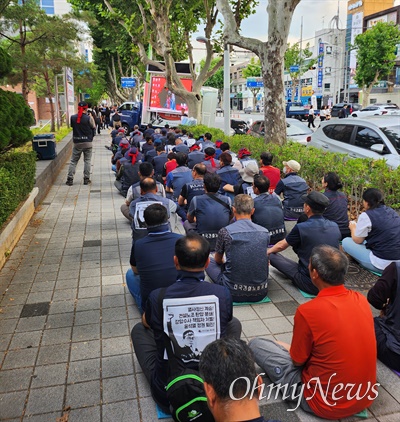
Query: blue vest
(211, 216)
(130, 176)
(181, 176)
(158, 163)
(390, 324)
(268, 213)
(246, 267)
(295, 188)
(193, 189)
(384, 237)
(229, 176)
(337, 210)
(194, 158)
(314, 232)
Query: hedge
(17, 178)
(356, 174)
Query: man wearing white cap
(246, 185)
(293, 187)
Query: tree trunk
(50, 97)
(367, 90)
(193, 100)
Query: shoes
(69, 181)
(353, 269)
(86, 181)
(107, 147)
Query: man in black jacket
(82, 135)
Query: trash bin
(45, 146)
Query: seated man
(385, 295)
(194, 188)
(245, 271)
(229, 175)
(273, 173)
(128, 172)
(268, 210)
(315, 231)
(148, 190)
(210, 160)
(195, 156)
(191, 258)
(333, 352)
(293, 187)
(145, 170)
(209, 212)
(225, 366)
(152, 258)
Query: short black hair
(149, 138)
(224, 146)
(171, 156)
(192, 251)
(209, 151)
(266, 158)
(226, 158)
(212, 182)
(330, 263)
(261, 182)
(226, 363)
(155, 215)
(148, 184)
(208, 136)
(160, 148)
(333, 181)
(181, 158)
(146, 169)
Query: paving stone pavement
(66, 315)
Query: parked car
(297, 111)
(377, 110)
(372, 137)
(239, 126)
(295, 130)
(352, 107)
(248, 110)
(219, 110)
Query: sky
(316, 14)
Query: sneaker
(86, 181)
(69, 181)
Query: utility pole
(300, 59)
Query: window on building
(327, 86)
(47, 6)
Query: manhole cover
(35, 309)
(362, 280)
(88, 243)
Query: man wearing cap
(82, 135)
(246, 185)
(304, 236)
(293, 187)
(244, 245)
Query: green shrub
(356, 174)
(15, 119)
(17, 178)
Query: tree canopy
(376, 55)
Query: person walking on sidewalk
(82, 135)
(311, 116)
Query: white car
(374, 137)
(377, 110)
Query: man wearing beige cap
(316, 231)
(293, 187)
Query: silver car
(372, 137)
(377, 110)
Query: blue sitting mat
(396, 372)
(363, 414)
(307, 295)
(161, 414)
(265, 300)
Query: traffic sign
(255, 83)
(294, 69)
(128, 82)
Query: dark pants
(291, 270)
(385, 355)
(146, 349)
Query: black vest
(130, 176)
(82, 132)
(268, 213)
(313, 232)
(384, 237)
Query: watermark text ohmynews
(330, 395)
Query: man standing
(330, 367)
(190, 289)
(82, 135)
(245, 271)
(315, 231)
(293, 187)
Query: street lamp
(226, 96)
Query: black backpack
(185, 388)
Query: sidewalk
(66, 315)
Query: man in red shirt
(330, 367)
(273, 173)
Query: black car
(239, 126)
(350, 106)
